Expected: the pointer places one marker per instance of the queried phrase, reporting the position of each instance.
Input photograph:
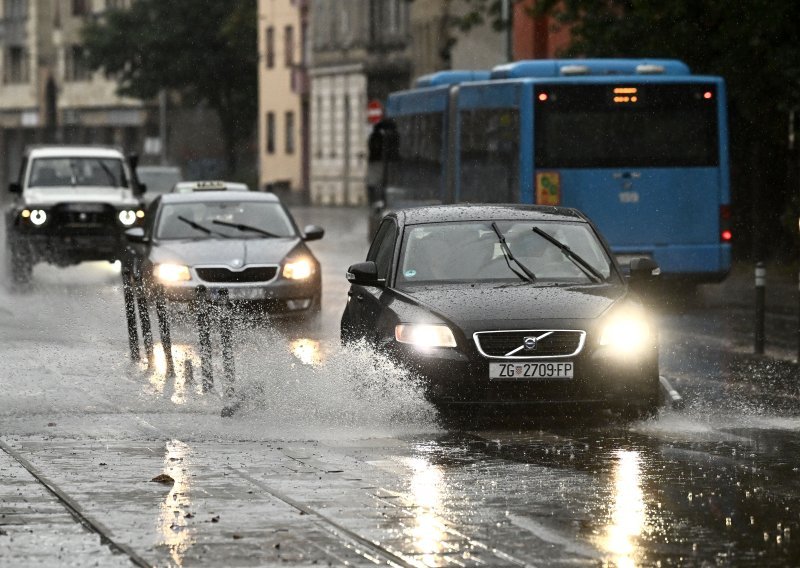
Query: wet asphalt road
(335, 458)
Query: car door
(364, 305)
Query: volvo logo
(530, 343)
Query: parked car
(247, 243)
(158, 179)
(191, 186)
(72, 204)
(506, 305)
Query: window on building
(81, 7)
(333, 125)
(75, 65)
(15, 9)
(270, 47)
(16, 65)
(288, 45)
(270, 133)
(317, 112)
(289, 137)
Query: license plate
(243, 294)
(531, 370)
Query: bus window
(489, 156)
(665, 126)
(416, 175)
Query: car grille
(84, 218)
(247, 275)
(550, 343)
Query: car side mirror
(136, 235)
(365, 274)
(15, 187)
(643, 270)
(313, 233)
(142, 188)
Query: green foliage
(204, 49)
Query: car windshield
(228, 219)
(471, 252)
(159, 180)
(85, 171)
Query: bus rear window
(626, 126)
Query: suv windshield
(471, 252)
(229, 219)
(85, 171)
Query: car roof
(158, 169)
(209, 185)
(67, 151)
(219, 197)
(480, 212)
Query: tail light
(725, 222)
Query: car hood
(231, 252)
(120, 196)
(475, 306)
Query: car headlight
(37, 216)
(424, 336)
(127, 217)
(170, 273)
(298, 269)
(626, 332)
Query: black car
(246, 243)
(507, 305)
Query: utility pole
(507, 17)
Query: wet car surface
(505, 305)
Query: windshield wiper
(111, 177)
(200, 227)
(589, 270)
(528, 275)
(246, 228)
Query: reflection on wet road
(335, 457)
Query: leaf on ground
(163, 478)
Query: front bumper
(278, 296)
(600, 377)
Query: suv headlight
(171, 273)
(37, 217)
(127, 217)
(626, 331)
(299, 269)
(424, 336)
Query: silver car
(247, 243)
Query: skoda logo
(83, 216)
(236, 263)
(529, 343)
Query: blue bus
(640, 146)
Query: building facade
(360, 53)
(48, 93)
(283, 94)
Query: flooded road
(335, 458)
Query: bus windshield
(611, 126)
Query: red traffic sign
(374, 111)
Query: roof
(67, 151)
(209, 185)
(158, 169)
(479, 212)
(219, 196)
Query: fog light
(298, 304)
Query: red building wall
(536, 37)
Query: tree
(206, 50)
